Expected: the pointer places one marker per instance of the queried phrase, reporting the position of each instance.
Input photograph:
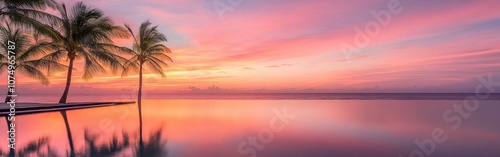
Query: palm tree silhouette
(156, 146)
(38, 147)
(85, 34)
(68, 133)
(9, 6)
(112, 148)
(147, 51)
(28, 55)
(26, 8)
(28, 14)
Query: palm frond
(37, 26)
(158, 61)
(39, 16)
(33, 72)
(131, 33)
(91, 66)
(35, 50)
(158, 48)
(55, 56)
(131, 65)
(3, 66)
(117, 49)
(35, 4)
(163, 57)
(148, 50)
(112, 61)
(155, 67)
(46, 65)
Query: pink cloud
(436, 43)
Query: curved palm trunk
(63, 113)
(9, 93)
(12, 153)
(68, 131)
(68, 82)
(7, 97)
(139, 98)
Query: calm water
(233, 128)
(131, 95)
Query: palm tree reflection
(111, 148)
(155, 146)
(39, 147)
(68, 132)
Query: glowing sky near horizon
(294, 45)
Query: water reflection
(155, 146)
(11, 151)
(95, 145)
(110, 148)
(68, 132)
(39, 147)
(217, 127)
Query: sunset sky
(295, 46)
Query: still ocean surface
(272, 125)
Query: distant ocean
(261, 96)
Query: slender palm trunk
(63, 113)
(139, 98)
(7, 97)
(12, 153)
(68, 82)
(9, 93)
(68, 131)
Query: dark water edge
(326, 96)
(282, 96)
